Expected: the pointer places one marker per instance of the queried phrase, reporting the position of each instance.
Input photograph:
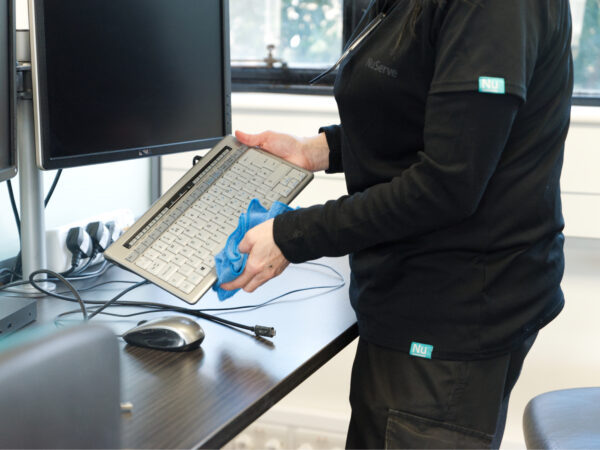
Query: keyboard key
(167, 272)
(176, 279)
(187, 252)
(132, 256)
(279, 173)
(186, 269)
(176, 229)
(187, 287)
(143, 262)
(195, 278)
(175, 248)
(203, 271)
(168, 238)
(179, 260)
(152, 254)
(196, 244)
(167, 256)
(156, 267)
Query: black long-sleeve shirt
(452, 147)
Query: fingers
(253, 140)
(254, 275)
(265, 259)
(245, 246)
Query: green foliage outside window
(587, 57)
(305, 33)
(311, 31)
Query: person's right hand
(310, 153)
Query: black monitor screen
(118, 79)
(7, 68)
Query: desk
(204, 398)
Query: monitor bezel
(11, 170)
(38, 57)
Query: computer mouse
(172, 333)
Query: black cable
(66, 283)
(117, 297)
(97, 285)
(101, 271)
(6, 269)
(259, 330)
(13, 204)
(52, 187)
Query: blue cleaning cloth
(230, 262)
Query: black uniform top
(452, 145)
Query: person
(453, 118)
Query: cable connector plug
(80, 245)
(100, 235)
(260, 330)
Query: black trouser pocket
(406, 430)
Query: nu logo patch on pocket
(421, 350)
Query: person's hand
(265, 260)
(310, 153)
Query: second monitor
(121, 79)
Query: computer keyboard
(174, 244)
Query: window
(279, 45)
(586, 51)
(282, 44)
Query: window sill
(585, 115)
(256, 101)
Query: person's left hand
(264, 262)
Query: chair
(60, 388)
(565, 419)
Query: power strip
(59, 257)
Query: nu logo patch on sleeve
(491, 85)
(421, 350)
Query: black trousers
(402, 401)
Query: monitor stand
(33, 229)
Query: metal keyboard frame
(132, 241)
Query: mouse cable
(259, 330)
(163, 306)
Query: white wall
(580, 181)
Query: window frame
(286, 80)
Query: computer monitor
(8, 163)
(122, 79)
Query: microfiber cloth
(230, 262)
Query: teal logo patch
(421, 350)
(491, 85)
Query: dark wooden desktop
(204, 398)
